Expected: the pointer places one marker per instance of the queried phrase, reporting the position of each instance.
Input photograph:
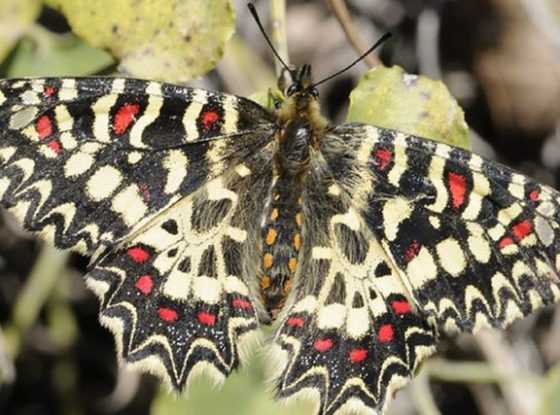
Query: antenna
(367, 52)
(255, 15)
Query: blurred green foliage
(247, 391)
(550, 403)
(49, 54)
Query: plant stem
(279, 32)
(42, 279)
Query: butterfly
(205, 215)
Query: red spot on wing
(295, 322)
(534, 195)
(242, 304)
(124, 117)
(209, 118)
(322, 345)
(382, 158)
(457, 187)
(48, 91)
(401, 307)
(55, 146)
(207, 319)
(505, 241)
(167, 314)
(522, 229)
(144, 284)
(144, 191)
(412, 251)
(138, 254)
(358, 355)
(386, 333)
(44, 127)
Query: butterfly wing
(157, 181)
(350, 334)
(406, 237)
(86, 161)
(178, 294)
(476, 243)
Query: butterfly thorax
(300, 128)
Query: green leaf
(266, 98)
(16, 17)
(50, 54)
(175, 40)
(554, 9)
(391, 98)
(550, 404)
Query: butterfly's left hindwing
(177, 296)
(86, 161)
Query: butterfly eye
(292, 89)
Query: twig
(422, 395)
(427, 43)
(521, 395)
(7, 369)
(343, 16)
(487, 399)
(238, 62)
(543, 19)
(279, 33)
(463, 372)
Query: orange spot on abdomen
(267, 261)
(271, 236)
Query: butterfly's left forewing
(86, 161)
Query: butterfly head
(301, 100)
(302, 83)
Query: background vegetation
(499, 58)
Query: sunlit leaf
(16, 17)
(391, 98)
(175, 40)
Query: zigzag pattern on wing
(178, 295)
(350, 335)
(86, 161)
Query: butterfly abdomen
(282, 240)
(281, 230)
